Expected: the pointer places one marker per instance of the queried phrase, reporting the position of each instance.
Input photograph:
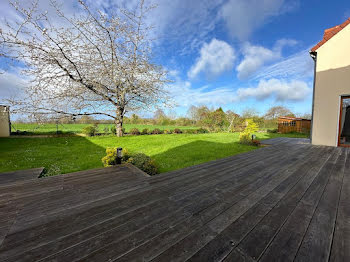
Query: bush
(135, 132)
(113, 130)
(177, 131)
(144, 162)
(272, 130)
(167, 131)
(245, 139)
(111, 158)
(156, 131)
(245, 136)
(140, 160)
(90, 130)
(144, 131)
(202, 131)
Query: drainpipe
(313, 55)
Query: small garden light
(119, 155)
(253, 137)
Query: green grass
(74, 153)
(46, 129)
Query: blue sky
(236, 54)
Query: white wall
(332, 81)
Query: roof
(329, 33)
(293, 118)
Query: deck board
(264, 205)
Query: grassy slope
(69, 154)
(77, 128)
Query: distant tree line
(201, 116)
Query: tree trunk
(119, 122)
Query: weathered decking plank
(228, 239)
(261, 205)
(341, 241)
(317, 241)
(157, 215)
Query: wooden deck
(284, 202)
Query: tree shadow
(59, 155)
(197, 152)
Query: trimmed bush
(144, 131)
(135, 132)
(167, 131)
(111, 157)
(190, 131)
(90, 130)
(140, 160)
(177, 131)
(157, 131)
(202, 130)
(144, 162)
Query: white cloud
(184, 95)
(281, 90)
(12, 85)
(297, 66)
(215, 58)
(243, 17)
(256, 56)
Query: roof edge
(329, 33)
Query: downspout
(313, 55)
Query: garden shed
(331, 94)
(5, 127)
(293, 124)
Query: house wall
(332, 81)
(4, 122)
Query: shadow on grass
(196, 153)
(58, 156)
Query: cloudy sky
(232, 53)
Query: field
(73, 153)
(47, 129)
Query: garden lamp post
(119, 155)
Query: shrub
(113, 130)
(144, 131)
(135, 132)
(190, 131)
(90, 130)
(156, 131)
(245, 139)
(272, 130)
(202, 130)
(140, 160)
(245, 136)
(144, 162)
(177, 131)
(167, 131)
(111, 157)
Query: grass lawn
(41, 129)
(74, 153)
